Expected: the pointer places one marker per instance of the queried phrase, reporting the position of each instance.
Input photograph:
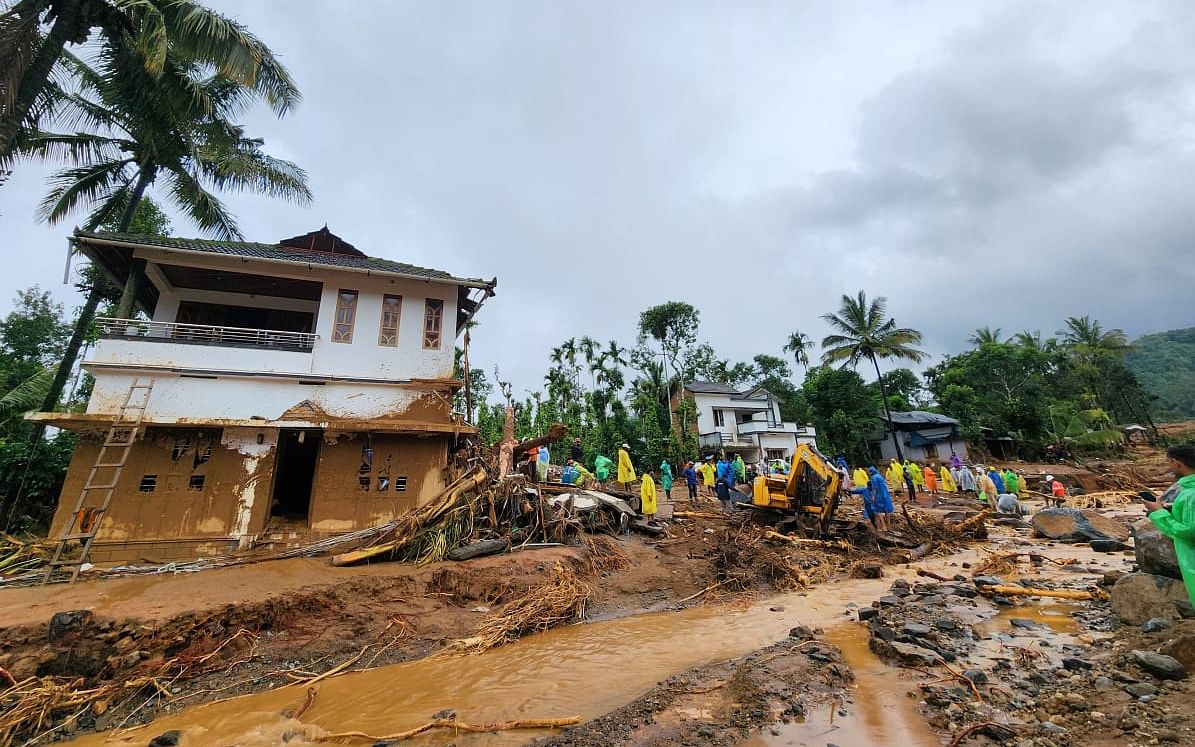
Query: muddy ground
(219, 633)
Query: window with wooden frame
(346, 315)
(391, 313)
(433, 323)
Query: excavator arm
(811, 488)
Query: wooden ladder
(102, 479)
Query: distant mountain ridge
(1164, 362)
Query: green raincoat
(740, 469)
(666, 476)
(1179, 525)
(601, 467)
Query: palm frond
(91, 183)
(77, 148)
(28, 395)
(204, 209)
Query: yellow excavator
(806, 497)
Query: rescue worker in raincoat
(601, 468)
(1178, 521)
(666, 477)
(966, 480)
(859, 477)
(647, 498)
(918, 475)
(931, 479)
(948, 484)
(987, 489)
(740, 469)
(708, 474)
(1012, 482)
(626, 470)
(895, 475)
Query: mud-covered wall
(361, 481)
(178, 483)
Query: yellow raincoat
(626, 470)
(647, 496)
(896, 475)
(947, 481)
(859, 477)
(918, 477)
(707, 474)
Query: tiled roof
(710, 387)
(279, 253)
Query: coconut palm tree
(985, 336)
(34, 35)
(799, 345)
(123, 143)
(866, 332)
(1083, 332)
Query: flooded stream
(585, 670)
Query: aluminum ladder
(102, 480)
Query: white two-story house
(744, 422)
(300, 389)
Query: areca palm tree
(866, 332)
(34, 35)
(985, 336)
(123, 143)
(799, 345)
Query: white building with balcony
(744, 422)
(299, 389)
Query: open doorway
(294, 472)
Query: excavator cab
(806, 497)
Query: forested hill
(1164, 362)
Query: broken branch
(451, 723)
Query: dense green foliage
(1165, 365)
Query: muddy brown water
(583, 670)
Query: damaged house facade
(291, 391)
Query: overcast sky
(980, 163)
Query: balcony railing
(717, 440)
(204, 334)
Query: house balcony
(719, 440)
(754, 427)
(139, 342)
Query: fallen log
(453, 724)
(700, 515)
(972, 524)
(556, 432)
(919, 552)
(1029, 591)
(931, 574)
(479, 549)
(828, 544)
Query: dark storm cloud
(997, 163)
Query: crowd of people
(999, 487)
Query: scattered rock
(165, 739)
(867, 613)
(802, 632)
(1183, 649)
(1104, 685)
(946, 624)
(1109, 546)
(1024, 624)
(63, 623)
(1111, 577)
(906, 653)
(1138, 597)
(1155, 624)
(1160, 665)
(1141, 690)
(916, 630)
(1155, 551)
(978, 676)
(988, 581)
(1073, 664)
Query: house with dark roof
(926, 437)
(746, 422)
(282, 393)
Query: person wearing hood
(948, 483)
(542, 460)
(918, 475)
(931, 480)
(1012, 481)
(647, 498)
(955, 462)
(881, 498)
(895, 475)
(966, 481)
(740, 469)
(987, 488)
(1177, 520)
(626, 470)
(708, 476)
(859, 478)
(666, 478)
(997, 479)
(601, 468)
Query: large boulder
(1183, 649)
(1155, 551)
(1138, 597)
(1075, 525)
